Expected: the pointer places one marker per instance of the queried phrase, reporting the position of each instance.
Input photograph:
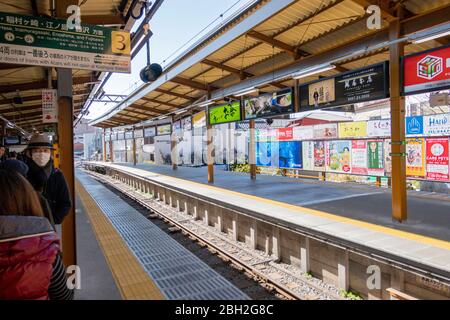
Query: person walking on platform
(30, 262)
(46, 179)
(2, 152)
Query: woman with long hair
(30, 261)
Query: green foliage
(350, 295)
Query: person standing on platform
(46, 179)
(2, 153)
(30, 261)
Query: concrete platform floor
(429, 215)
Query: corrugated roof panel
(255, 55)
(233, 48)
(419, 6)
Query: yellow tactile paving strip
(130, 277)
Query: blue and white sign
(414, 126)
(437, 125)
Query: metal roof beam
(42, 84)
(161, 102)
(242, 74)
(293, 51)
(153, 110)
(178, 95)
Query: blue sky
(175, 23)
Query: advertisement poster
(319, 155)
(387, 157)
(49, 106)
(186, 123)
(164, 129)
(353, 129)
(268, 105)
(379, 128)
(437, 159)
(48, 42)
(359, 157)
(199, 120)
(265, 135)
(427, 71)
(290, 155)
(176, 127)
(163, 150)
(230, 112)
(285, 134)
(308, 155)
(302, 133)
(415, 157)
(375, 158)
(338, 156)
(325, 131)
(267, 154)
(150, 132)
(321, 93)
(437, 125)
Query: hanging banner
(290, 155)
(375, 158)
(437, 159)
(268, 105)
(379, 128)
(308, 155)
(415, 157)
(338, 156)
(319, 155)
(437, 125)
(325, 131)
(414, 126)
(285, 134)
(49, 106)
(352, 129)
(302, 133)
(365, 84)
(226, 113)
(359, 157)
(427, 71)
(48, 42)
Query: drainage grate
(177, 272)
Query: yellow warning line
(131, 279)
(398, 233)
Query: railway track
(286, 280)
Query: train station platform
(145, 262)
(429, 214)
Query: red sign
(429, 71)
(285, 134)
(437, 159)
(359, 156)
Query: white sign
(49, 106)
(308, 155)
(437, 125)
(303, 133)
(379, 128)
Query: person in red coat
(30, 261)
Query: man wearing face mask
(46, 179)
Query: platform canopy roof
(267, 39)
(28, 81)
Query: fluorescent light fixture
(310, 71)
(245, 92)
(180, 111)
(432, 37)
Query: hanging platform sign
(47, 42)
(426, 71)
(366, 84)
(226, 113)
(49, 106)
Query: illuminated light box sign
(164, 129)
(268, 105)
(47, 42)
(225, 113)
(426, 71)
(434, 125)
(366, 84)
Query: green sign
(47, 42)
(230, 112)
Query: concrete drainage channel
(279, 279)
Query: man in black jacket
(46, 179)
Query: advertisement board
(308, 155)
(338, 156)
(268, 105)
(302, 133)
(48, 42)
(437, 159)
(356, 129)
(285, 134)
(225, 113)
(436, 125)
(375, 158)
(359, 157)
(426, 71)
(379, 128)
(199, 120)
(415, 157)
(163, 129)
(149, 132)
(267, 154)
(414, 126)
(325, 131)
(186, 123)
(319, 155)
(290, 155)
(387, 157)
(49, 106)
